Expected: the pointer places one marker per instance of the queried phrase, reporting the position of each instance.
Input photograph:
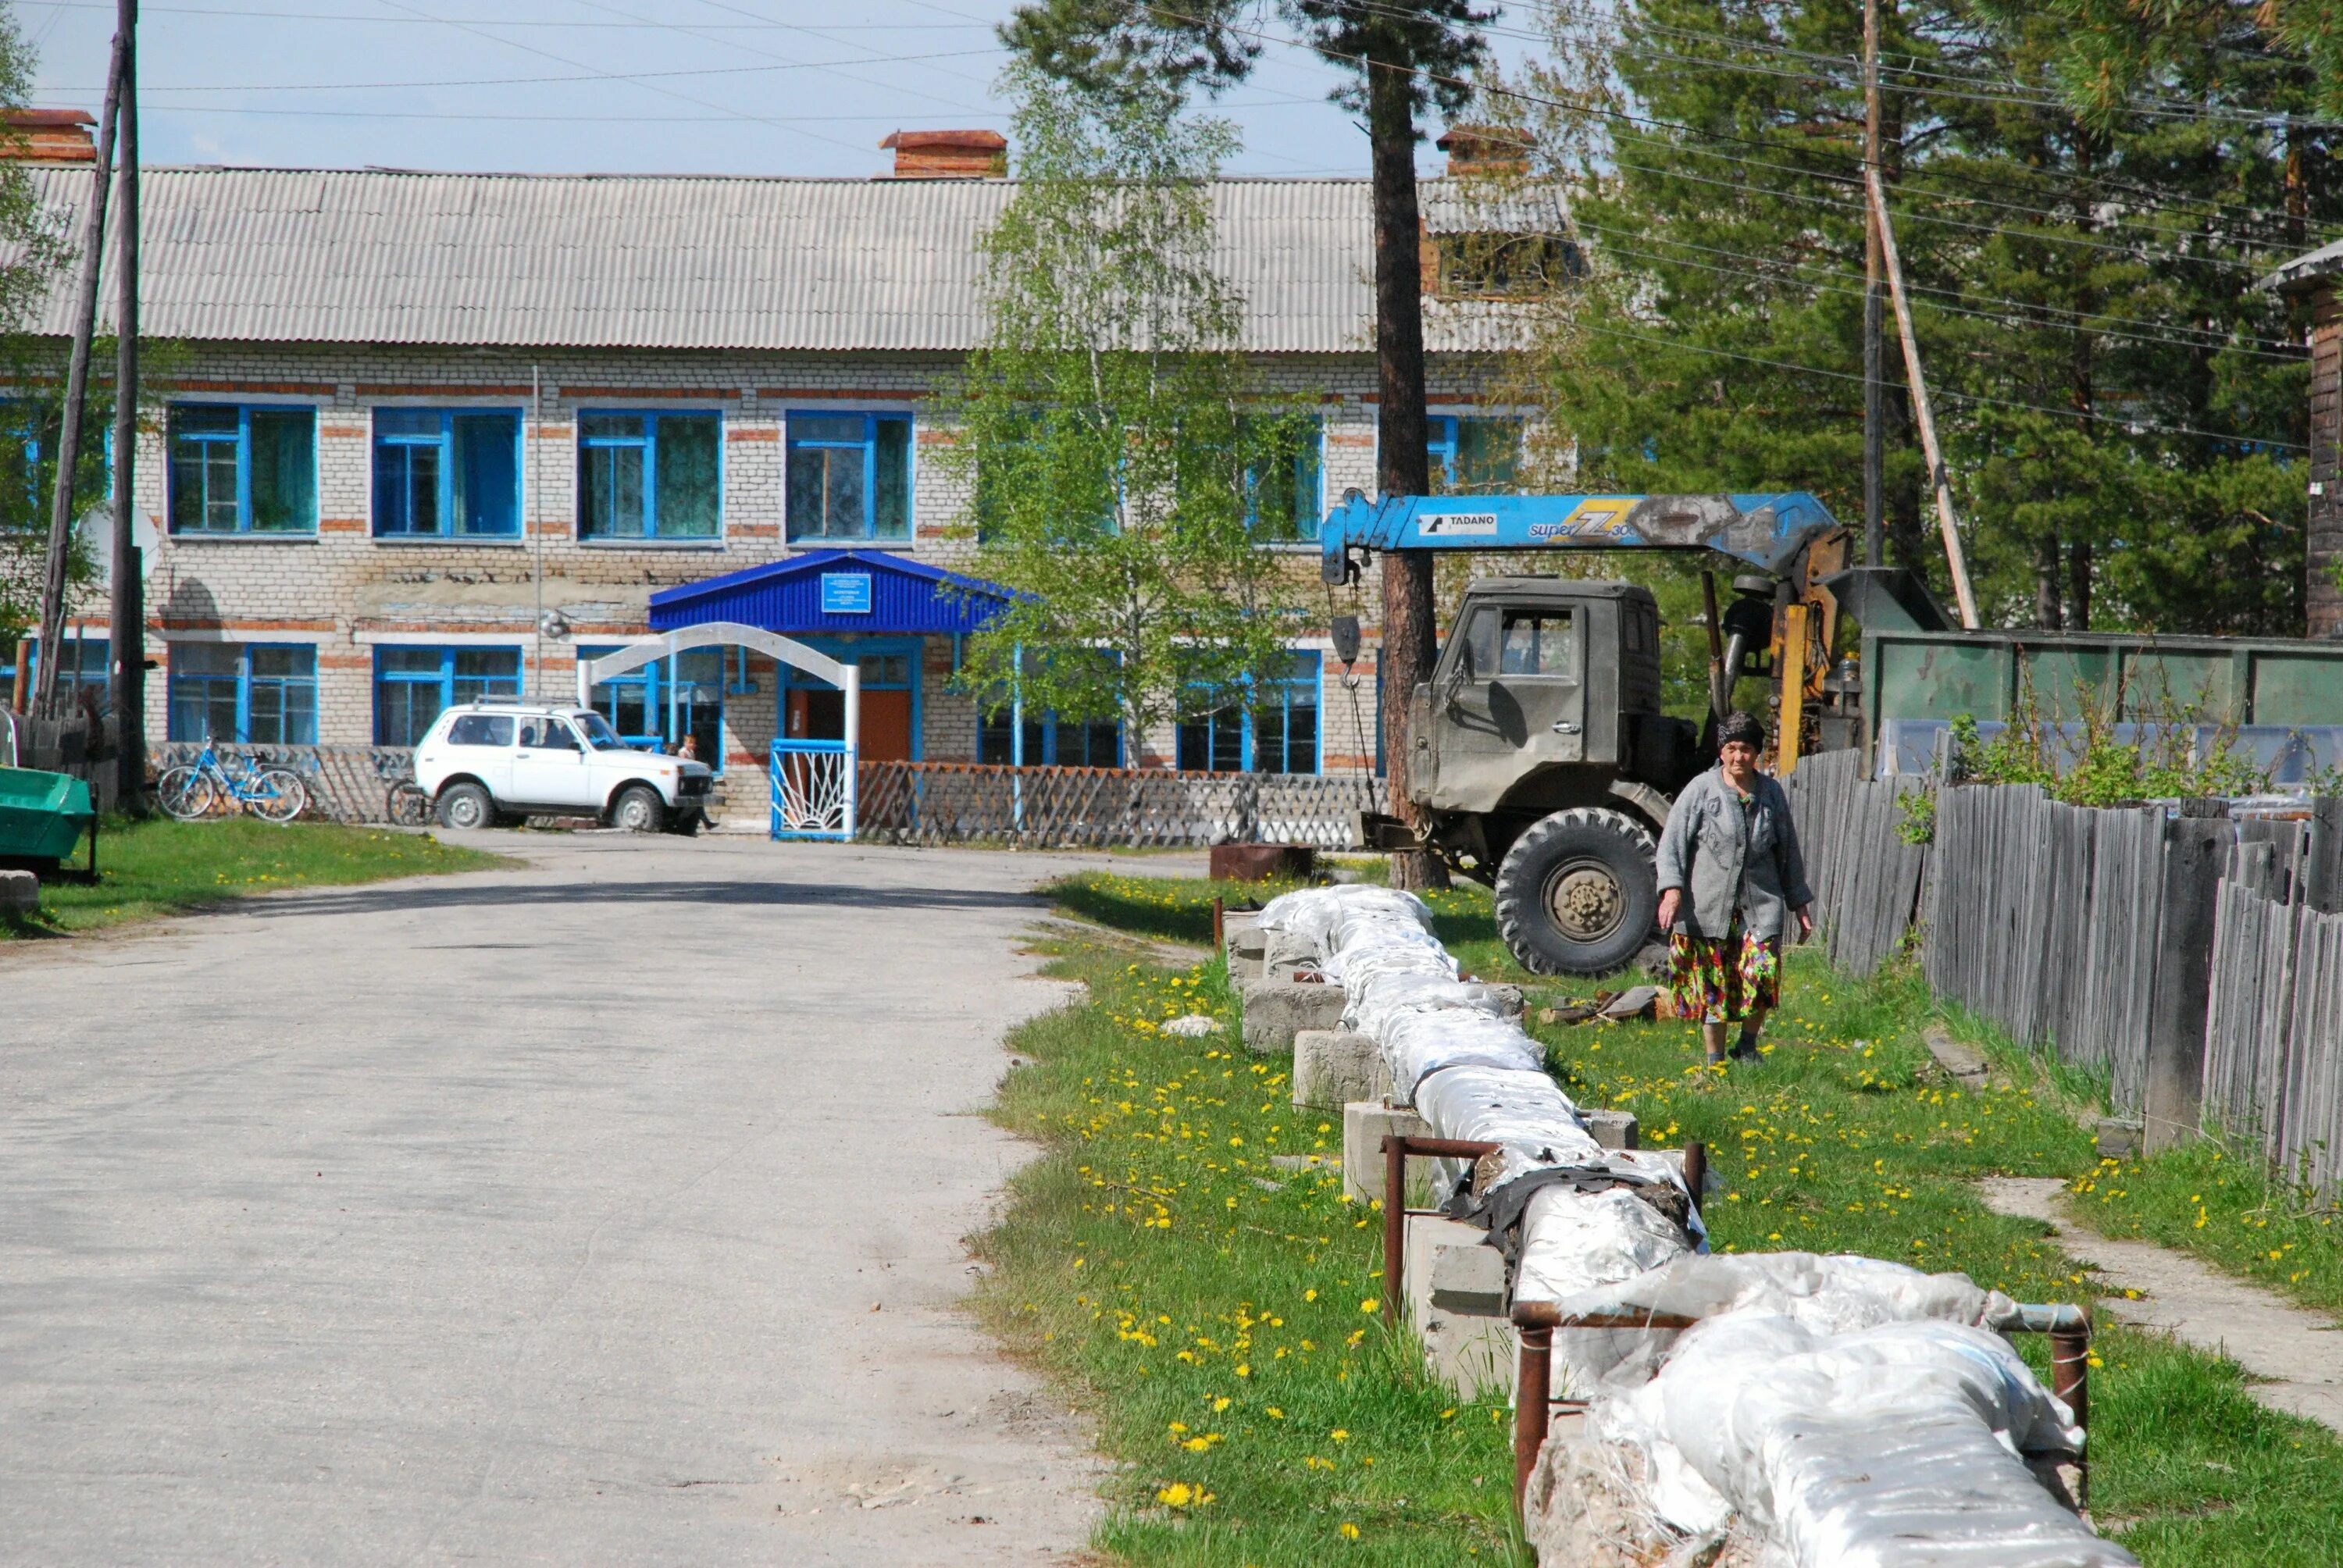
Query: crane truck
(1538, 755)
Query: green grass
(1844, 1139)
(1206, 1305)
(156, 868)
(2207, 1200)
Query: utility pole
(1939, 479)
(93, 241)
(126, 626)
(1875, 388)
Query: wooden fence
(1866, 878)
(2274, 1030)
(961, 802)
(2050, 920)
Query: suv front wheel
(466, 805)
(639, 809)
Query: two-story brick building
(434, 436)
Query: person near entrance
(1731, 879)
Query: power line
(593, 76)
(2117, 334)
(2207, 338)
(2100, 179)
(60, 7)
(2136, 253)
(2118, 421)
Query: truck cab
(1545, 764)
(1546, 695)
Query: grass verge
(1178, 1264)
(157, 867)
(1844, 1139)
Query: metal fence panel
(959, 802)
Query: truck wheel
(466, 805)
(639, 811)
(1577, 894)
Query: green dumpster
(42, 817)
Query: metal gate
(813, 788)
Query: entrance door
(818, 713)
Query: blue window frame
(691, 688)
(1474, 454)
(447, 473)
(1285, 499)
(237, 469)
(413, 686)
(648, 476)
(89, 666)
(849, 476)
(1050, 742)
(1277, 731)
(255, 694)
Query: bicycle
(192, 790)
(404, 804)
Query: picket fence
(963, 802)
(2048, 919)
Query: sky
(658, 86)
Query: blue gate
(813, 789)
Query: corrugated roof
(672, 261)
(2324, 262)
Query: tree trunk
(1403, 466)
(2046, 581)
(2078, 585)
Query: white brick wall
(344, 588)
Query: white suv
(481, 762)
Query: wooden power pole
(1875, 387)
(1939, 479)
(127, 621)
(61, 518)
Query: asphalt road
(603, 1210)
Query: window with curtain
(850, 476)
(1472, 454)
(1274, 730)
(242, 470)
(413, 686)
(244, 693)
(649, 476)
(447, 473)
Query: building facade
(433, 436)
(2314, 277)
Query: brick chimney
(49, 136)
(1485, 150)
(949, 155)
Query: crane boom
(1766, 530)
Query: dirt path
(2298, 1350)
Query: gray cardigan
(1723, 863)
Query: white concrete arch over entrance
(813, 781)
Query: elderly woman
(1730, 878)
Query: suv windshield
(597, 731)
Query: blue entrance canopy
(836, 591)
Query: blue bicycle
(194, 790)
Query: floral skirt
(1722, 980)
